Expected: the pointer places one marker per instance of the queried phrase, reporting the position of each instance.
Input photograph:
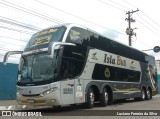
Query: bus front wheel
(143, 94)
(149, 94)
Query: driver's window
(70, 68)
(67, 69)
(64, 70)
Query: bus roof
(70, 25)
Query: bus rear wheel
(90, 98)
(149, 94)
(143, 94)
(104, 97)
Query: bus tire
(90, 98)
(148, 94)
(104, 98)
(143, 94)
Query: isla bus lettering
(111, 60)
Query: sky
(104, 16)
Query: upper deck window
(46, 36)
(78, 35)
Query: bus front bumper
(51, 99)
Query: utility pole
(129, 30)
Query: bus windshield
(37, 67)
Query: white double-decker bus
(71, 64)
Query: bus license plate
(30, 100)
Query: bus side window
(64, 71)
(67, 70)
(71, 69)
(78, 35)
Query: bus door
(67, 84)
(71, 85)
(67, 91)
(72, 91)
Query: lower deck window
(103, 72)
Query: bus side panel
(120, 90)
(79, 90)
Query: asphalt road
(118, 106)
(133, 109)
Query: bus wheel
(104, 98)
(149, 94)
(143, 94)
(90, 98)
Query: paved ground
(8, 102)
(78, 112)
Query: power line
(148, 28)
(150, 18)
(119, 4)
(111, 5)
(129, 4)
(148, 23)
(22, 9)
(13, 29)
(140, 16)
(13, 38)
(76, 16)
(127, 8)
(145, 20)
(2, 48)
(54, 8)
(143, 13)
(16, 23)
(107, 28)
(30, 12)
(144, 44)
(11, 43)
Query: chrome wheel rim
(92, 97)
(148, 94)
(106, 96)
(143, 94)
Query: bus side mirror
(5, 59)
(55, 46)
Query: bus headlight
(49, 91)
(17, 93)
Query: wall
(8, 77)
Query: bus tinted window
(71, 68)
(78, 35)
(102, 72)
